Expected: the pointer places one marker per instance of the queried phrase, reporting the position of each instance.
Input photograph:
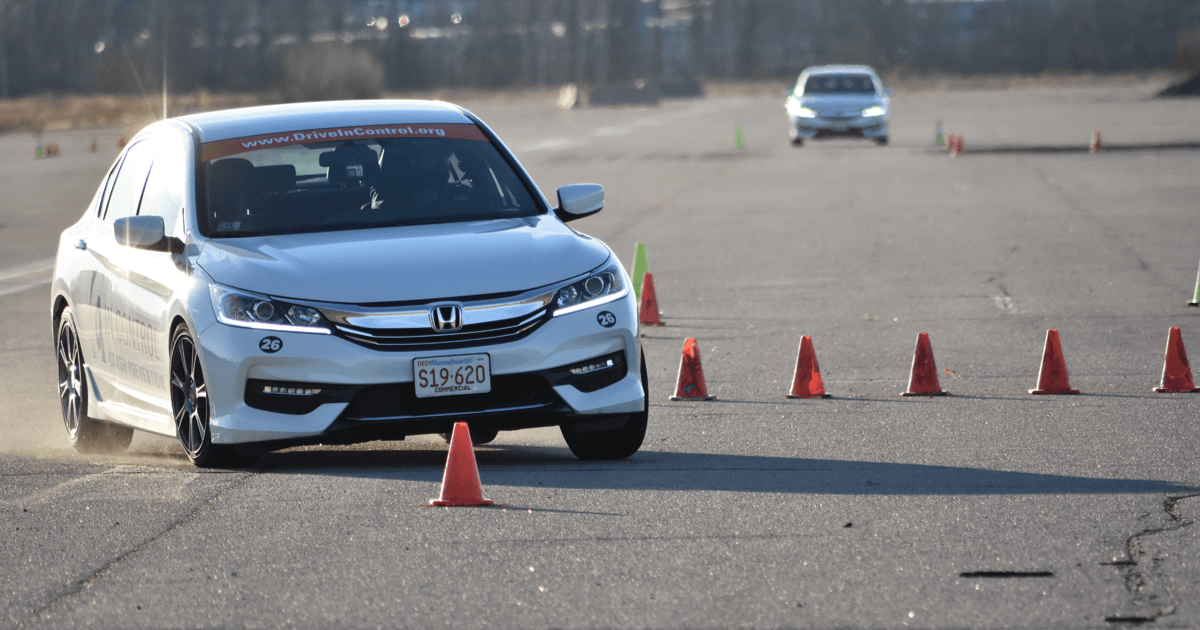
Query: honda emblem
(446, 318)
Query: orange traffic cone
(690, 385)
(924, 379)
(955, 145)
(460, 482)
(1095, 146)
(806, 382)
(648, 309)
(1053, 378)
(1177, 373)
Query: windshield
(368, 177)
(839, 84)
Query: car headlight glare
(806, 112)
(250, 310)
(606, 285)
(877, 110)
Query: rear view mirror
(576, 201)
(142, 232)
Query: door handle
(81, 244)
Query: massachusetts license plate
(450, 376)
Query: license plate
(451, 376)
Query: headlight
(872, 111)
(606, 285)
(805, 112)
(251, 310)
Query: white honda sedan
(335, 273)
(838, 102)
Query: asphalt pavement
(989, 507)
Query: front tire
(191, 408)
(85, 434)
(797, 141)
(613, 443)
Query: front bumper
(368, 394)
(859, 127)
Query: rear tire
(614, 443)
(85, 434)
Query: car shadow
(555, 467)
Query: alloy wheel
(189, 396)
(70, 380)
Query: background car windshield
(839, 84)
(355, 184)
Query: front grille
(429, 339)
(409, 327)
(399, 400)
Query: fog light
(290, 391)
(591, 367)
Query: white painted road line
(29, 276)
(26, 270)
(9, 289)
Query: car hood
(409, 263)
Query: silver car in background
(838, 102)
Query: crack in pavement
(80, 585)
(1150, 596)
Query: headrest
(275, 179)
(228, 178)
(351, 165)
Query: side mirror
(142, 232)
(576, 201)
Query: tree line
(126, 46)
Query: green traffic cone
(639, 270)
(737, 136)
(1196, 297)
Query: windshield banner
(223, 148)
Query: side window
(106, 187)
(131, 181)
(97, 205)
(164, 188)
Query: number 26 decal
(270, 344)
(606, 319)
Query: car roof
(268, 119)
(839, 69)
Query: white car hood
(408, 263)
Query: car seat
(229, 193)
